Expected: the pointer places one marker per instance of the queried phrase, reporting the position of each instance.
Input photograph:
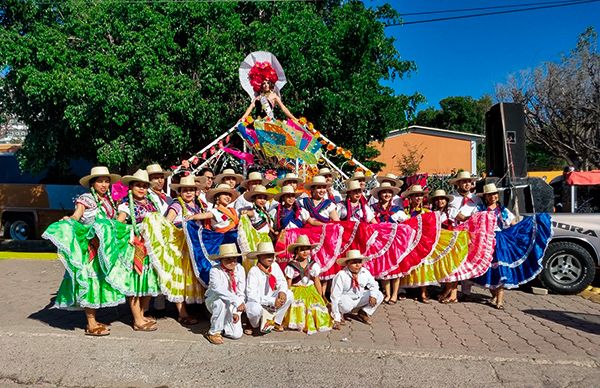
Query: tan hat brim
(264, 182)
(280, 182)
(343, 260)
(127, 179)
(293, 247)
(409, 193)
(85, 181)
(210, 196)
(310, 185)
(254, 255)
(177, 186)
(219, 178)
(278, 196)
(454, 180)
(219, 257)
(163, 172)
(249, 195)
(375, 192)
(448, 197)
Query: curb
(4, 255)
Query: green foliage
(125, 83)
(463, 114)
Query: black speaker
(505, 141)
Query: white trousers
(347, 304)
(221, 319)
(254, 309)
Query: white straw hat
(138, 176)
(385, 186)
(254, 176)
(490, 188)
(301, 241)
(263, 248)
(222, 188)
(318, 180)
(97, 172)
(186, 181)
(462, 175)
(225, 251)
(351, 186)
(157, 169)
(351, 254)
(327, 171)
(356, 176)
(414, 189)
(440, 193)
(258, 190)
(288, 177)
(390, 178)
(285, 190)
(228, 172)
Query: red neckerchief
(272, 278)
(355, 284)
(232, 283)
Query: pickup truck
(573, 254)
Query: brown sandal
(215, 339)
(364, 317)
(98, 331)
(148, 326)
(187, 321)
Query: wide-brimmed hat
(287, 190)
(254, 176)
(289, 177)
(228, 172)
(357, 175)
(263, 248)
(301, 241)
(201, 180)
(97, 172)
(318, 180)
(222, 188)
(414, 189)
(186, 181)
(258, 190)
(385, 186)
(138, 176)
(327, 171)
(351, 254)
(461, 176)
(440, 193)
(490, 188)
(157, 169)
(390, 178)
(351, 186)
(225, 251)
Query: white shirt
(257, 286)
(342, 285)
(465, 205)
(356, 215)
(219, 286)
(324, 212)
(241, 204)
(312, 272)
(163, 205)
(256, 218)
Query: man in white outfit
(266, 289)
(226, 295)
(354, 288)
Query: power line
(485, 8)
(491, 13)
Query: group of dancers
(297, 256)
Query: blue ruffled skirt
(518, 254)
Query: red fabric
(93, 249)
(272, 280)
(583, 178)
(355, 284)
(139, 254)
(232, 283)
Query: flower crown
(259, 72)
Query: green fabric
(84, 283)
(308, 311)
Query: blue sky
(469, 57)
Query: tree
(562, 103)
(410, 162)
(125, 83)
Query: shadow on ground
(590, 323)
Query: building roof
(437, 132)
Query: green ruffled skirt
(308, 311)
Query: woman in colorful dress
(308, 311)
(84, 285)
(386, 212)
(355, 207)
(256, 224)
(287, 214)
(519, 248)
(265, 101)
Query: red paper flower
(261, 71)
(195, 160)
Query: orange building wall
(441, 154)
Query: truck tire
(19, 228)
(568, 268)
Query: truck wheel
(568, 268)
(19, 229)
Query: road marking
(6, 255)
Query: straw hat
(222, 188)
(201, 180)
(390, 178)
(157, 169)
(225, 251)
(97, 172)
(287, 189)
(301, 241)
(383, 187)
(490, 188)
(440, 193)
(254, 176)
(258, 190)
(356, 176)
(414, 189)
(351, 186)
(327, 171)
(351, 254)
(289, 177)
(186, 181)
(228, 172)
(318, 180)
(263, 248)
(462, 175)
(138, 176)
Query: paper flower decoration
(261, 71)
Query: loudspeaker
(505, 141)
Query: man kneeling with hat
(354, 288)
(225, 296)
(268, 296)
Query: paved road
(545, 341)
